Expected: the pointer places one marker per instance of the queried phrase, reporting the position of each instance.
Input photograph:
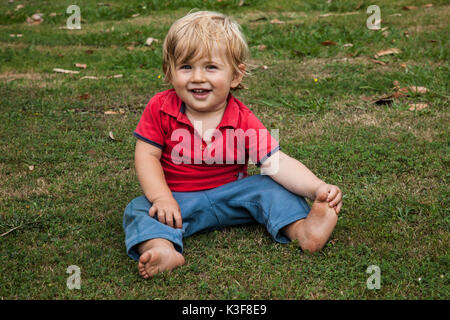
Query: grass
(65, 182)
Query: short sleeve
(149, 128)
(261, 143)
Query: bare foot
(158, 259)
(314, 231)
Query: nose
(198, 75)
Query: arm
(298, 179)
(151, 177)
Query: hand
(167, 210)
(334, 198)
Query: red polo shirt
(189, 163)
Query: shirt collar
(173, 106)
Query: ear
(238, 77)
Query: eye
(185, 67)
(211, 67)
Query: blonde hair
(196, 34)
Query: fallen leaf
(117, 76)
(35, 19)
(387, 52)
(241, 3)
(91, 152)
(84, 96)
(378, 62)
(347, 45)
(417, 106)
(395, 15)
(432, 41)
(31, 168)
(65, 71)
(428, 5)
(18, 7)
(109, 112)
(264, 67)
(262, 47)
(398, 94)
(418, 89)
(81, 65)
(403, 65)
(111, 136)
(53, 14)
(37, 16)
(149, 41)
(276, 21)
(396, 83)
(89, 77)
(385, 34)
(32, 22)
(89, 51)
(135, 15)
(328, 43)
(409, 8)
(366, 98)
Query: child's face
(204, 84)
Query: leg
(314, 231)
(157, 246)
(157, 255)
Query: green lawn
(65, 181)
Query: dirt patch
(10, 76)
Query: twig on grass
(37, 220)
(4, 234)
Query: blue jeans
(252, 199)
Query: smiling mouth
(200, 91)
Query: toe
(145, 257)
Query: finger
(178, 220)
(169, 219)
(338, 207)
(332, 196)
(162, 216)
(152, 211)
(337, 199)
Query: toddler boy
(192, 150)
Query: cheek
(222, 82)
